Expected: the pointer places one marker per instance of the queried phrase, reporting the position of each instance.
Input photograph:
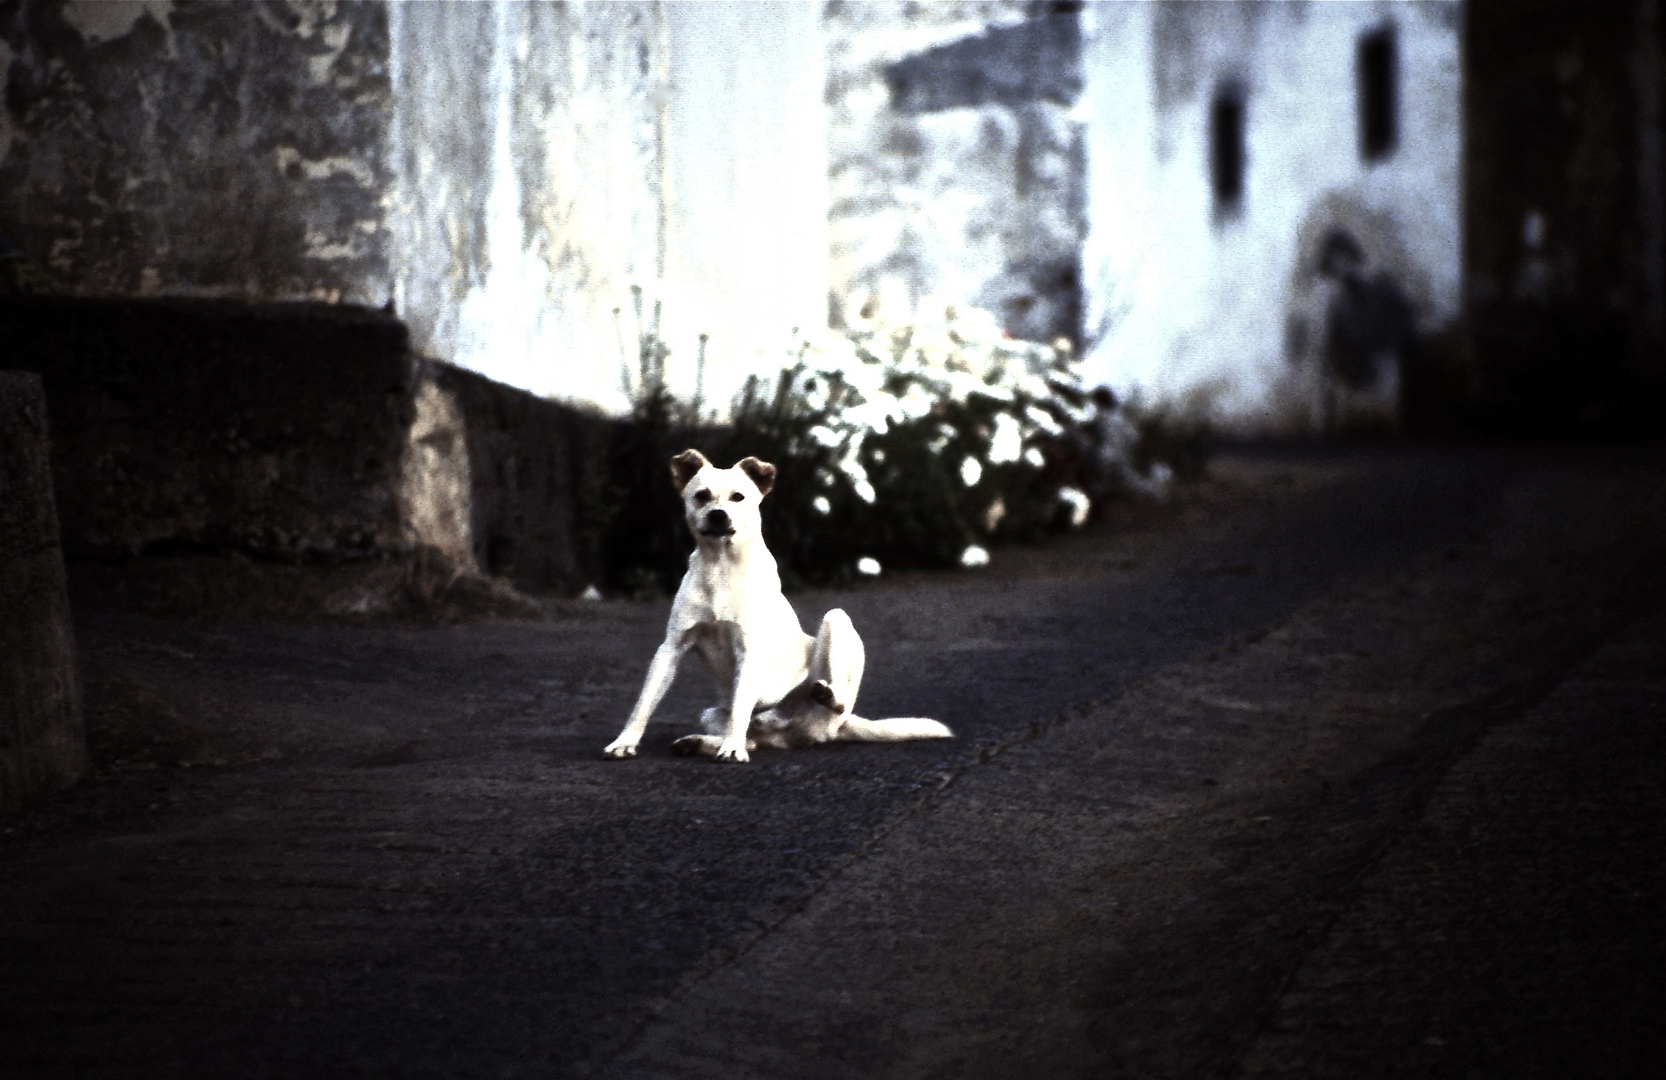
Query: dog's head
(721, 504)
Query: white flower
(994, 514)
(1080, 505)
(865, 491)
(1041, 419)
(916, 402)
(974, 556)
(822, 505)
(867, 566)
(970, 471)
(1033, 457)
(1007, 444)
(851, 465)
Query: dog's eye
(702, 497)
(736, 496)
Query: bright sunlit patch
(970, 471)
(974, 556)
(822, 505)
(867, 566)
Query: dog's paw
(821, 692)
(620, 749)
(732, 752)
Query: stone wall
(275, 430)
(42, 743)
(529, 470)
(300, 434)
(197, 149)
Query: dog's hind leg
(704, 745)
(836, 662)
(896, 729)
(697, 745)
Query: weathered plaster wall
(505, 173)
(746, 188)
(43, 745)
(1184, 298)
(526, 203)
(956, 159)
(197, 149)
(587, 149)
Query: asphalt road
(1344, 764)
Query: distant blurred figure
(1351, 329)
(1370, 321)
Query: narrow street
(1344, 763)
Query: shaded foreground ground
(1346, 764)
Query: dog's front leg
(661, 671)
(741, 704)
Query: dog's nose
(717, 518)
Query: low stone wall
(274, 430)
(534, 472)
(299, 434)
(43, 745)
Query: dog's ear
(685, 465)
(761, 472)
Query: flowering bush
(897, 445)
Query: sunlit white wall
(1190, 303)
(549, 157)
(746, 188)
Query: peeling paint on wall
(956, 160)
(133, 132)
(106, 20)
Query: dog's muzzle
(716, 523)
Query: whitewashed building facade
(1186, 188)
(1243, 159)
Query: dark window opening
(1226, 151)
(1379, 94)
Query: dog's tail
(895, 729)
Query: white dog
(776, 685)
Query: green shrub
(905, 446)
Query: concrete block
(43, 743)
